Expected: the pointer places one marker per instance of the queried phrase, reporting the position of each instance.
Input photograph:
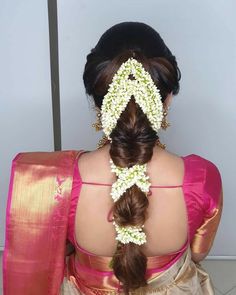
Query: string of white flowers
(130, 234)
(127, 177)
(148, 97)
(120, 90)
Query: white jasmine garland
(120, 90)
(127, 177)
(127, 234)
(148, 97)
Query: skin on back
(166, 225)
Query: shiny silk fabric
(39, 220)
(183, 277)
(36, 222)
(202, 193)
(91, 273)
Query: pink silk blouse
(202, 188)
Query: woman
(136, 218)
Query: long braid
(133, 140)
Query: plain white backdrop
(25, 87)
(202, 35)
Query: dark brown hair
(133, 140)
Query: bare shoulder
(94, 165)
(167, 158)
(90, 157)
(166, 168)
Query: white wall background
(25, 90)
(202, 34)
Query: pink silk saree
(36, 222)
(183, 277)
(35, 259)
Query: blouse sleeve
(213, 204)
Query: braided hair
(133, 138)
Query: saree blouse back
(35, 253)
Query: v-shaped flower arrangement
(148, 97)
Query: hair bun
(126, 35)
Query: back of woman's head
(133, 138)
